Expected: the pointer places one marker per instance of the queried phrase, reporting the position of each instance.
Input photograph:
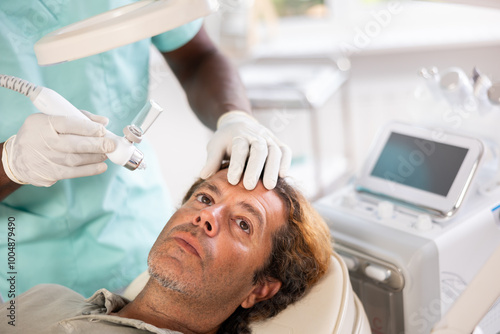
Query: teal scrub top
(92, 232)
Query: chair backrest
(330, 307)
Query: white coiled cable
(19, 85)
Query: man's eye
(202, 198)
(243, 225)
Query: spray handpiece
(50, 102)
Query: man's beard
(167, 282)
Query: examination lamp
(118, 27)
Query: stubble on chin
(166, 282)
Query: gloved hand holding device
(50, 148)
(69, 143)
(241, 136)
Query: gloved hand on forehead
(50, 148)
(242, 137)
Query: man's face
(213, 244)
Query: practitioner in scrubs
(77, 219)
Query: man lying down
(227, 257)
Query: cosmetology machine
(422, 217)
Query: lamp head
(119, 27)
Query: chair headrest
(321, 310)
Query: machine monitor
(425, 168)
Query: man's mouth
(189, 246)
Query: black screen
(419, 163)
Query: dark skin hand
(211, 82)
(7, 187)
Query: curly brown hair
(300, 255)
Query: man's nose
(208, 219)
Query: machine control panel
(386, 212)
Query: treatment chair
(330, 307)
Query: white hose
(19, 85)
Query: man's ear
(262, 291)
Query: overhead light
(118, 27)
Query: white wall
(383, 88)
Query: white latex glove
(51, 148)
(240, 136)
